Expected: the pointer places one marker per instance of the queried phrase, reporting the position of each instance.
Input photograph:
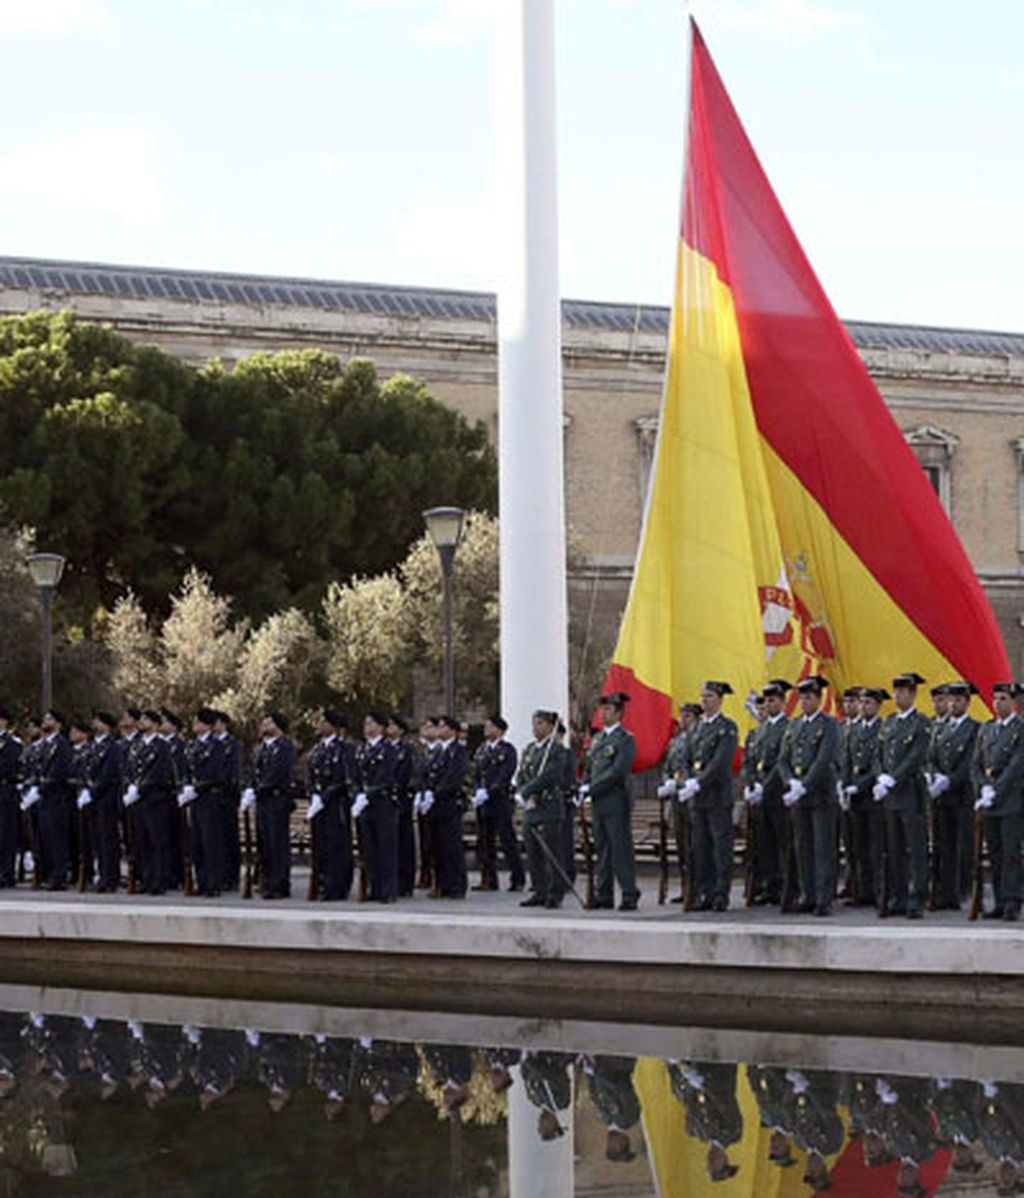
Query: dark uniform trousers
(378, 829)
(906, 832)
(406, 843)
(494, 820)
(445, 776)
(712, 851)
(770, 827)
(208, 838)
(54, 807)
(866, 838)
(951, 826)
(539, 825)
(154, 811)
(1003, 836)
(334, 860)
(814, 836)
(613, 849)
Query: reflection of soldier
(389, 1073)
(332, 1064)
(708, 1094)
(499, 1065)
(861, 1100)
(1000, 1110)
(610, 1082)
(452, 1067)
(771, 1090)
(11, 1045)
(278, 1061)
(811, 1112)
(955, 1107)
(103, 1052)
(161, 1057)
(218, 1063)
(907, 1129)
(549, 1087)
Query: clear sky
(352, 139)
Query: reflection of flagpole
(534, 648)
(458, 1181)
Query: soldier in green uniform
(900, 788)
(707, 1091)
(548, 1083)
(538, 786)
(1001, 1131)
(764, 792)
(673, 776)
(999, 785)
(708, 790)
(950, 762)
(954, 1107)
(606, 786)
(610, 1082)
(808, 765)
(771, 1092)
(907, 1129)
(811, 1110)
(858, 780)
(851, 718)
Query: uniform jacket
(10, 764)
(375, 769)
(495, 767)
(204, 769)
(860, 766)
(708, 1093)
(539, 781)
(607, 767)
(902, 754)
(711, 747)
(150, 768)
(53, 768)
(232, 762)
(810, 754)
(546, 1080)
(404, 763)
(273, 767)
(952, 753)
(446, 770)
(999, 762)
(331, 768)
(767, 749)
(674, 766)
(610, 1081)
(105, 769)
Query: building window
(646, 439)
(934, 448)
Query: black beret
(399, 721)
(207, 716)
(332, 716)
(105, 718)
(499, 722)
(151, 713)
(174, 720)
(6, 714)
(938, 692)
(777, 686)
(449, 721)
(134, 712)
(378, 717)
(57, 716)
(280, 719)
(82, 724)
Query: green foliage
(276, 478)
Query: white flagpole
(534, 642)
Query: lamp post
(445, 527)
(46, 570)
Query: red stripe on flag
(649, 715)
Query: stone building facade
(957, 394)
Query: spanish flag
(789, 528)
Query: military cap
(280, 719)
(174, 720)
(1004, 688)
(81, 723)
(909, 679)
(692, 709)
(399, 720)
(813, 684)
(378, 717)
(615, 699)
(134, 712)
(853, 692)
(777, 686)
(961, 688)
(550, 717)
(718, 688)
(499, 722)
(105, 718)
(878, 693)
(207, 716)
(151, 713)
(6, 714)
(449, 721)
(223, 718)
(937, 692)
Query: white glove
(428, 801)
(584, 792)
(30, 798)
(939, 786)
(850, 791)
(987, 798)
(186, 795)
(131, 795)
(886, 780)
(754, 794)
(417, 803)
(316, 805)
(667, 789)
(844, 801)
(878, 792)
(248, 798)
(360, 805)
(520, 801)
(795, 791)
(690, 788)
(84, 798)
(481, 796)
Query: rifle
(978, 877)
(83, 852)
(313, 893)
(247, 833)
(933, 855)
(33, 840)
(662, 851)
(883, 889)
(188, 886)
(687, 862)
(750, 855)
(790, 885)
(556, 865)
(588, 853)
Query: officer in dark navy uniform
(494, 769)
(443, 792)
(405, 763)
(610, 1082)
(376, 808)
(206, 776)
(171, 727)
(149, 794)
(331, 768)
(53, 774)
(548, 1083)
(231, 764)
(10, 773)
(273, 771)
(104, 782)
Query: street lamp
(445, 527)
(46, 570)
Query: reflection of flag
(781, 484)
